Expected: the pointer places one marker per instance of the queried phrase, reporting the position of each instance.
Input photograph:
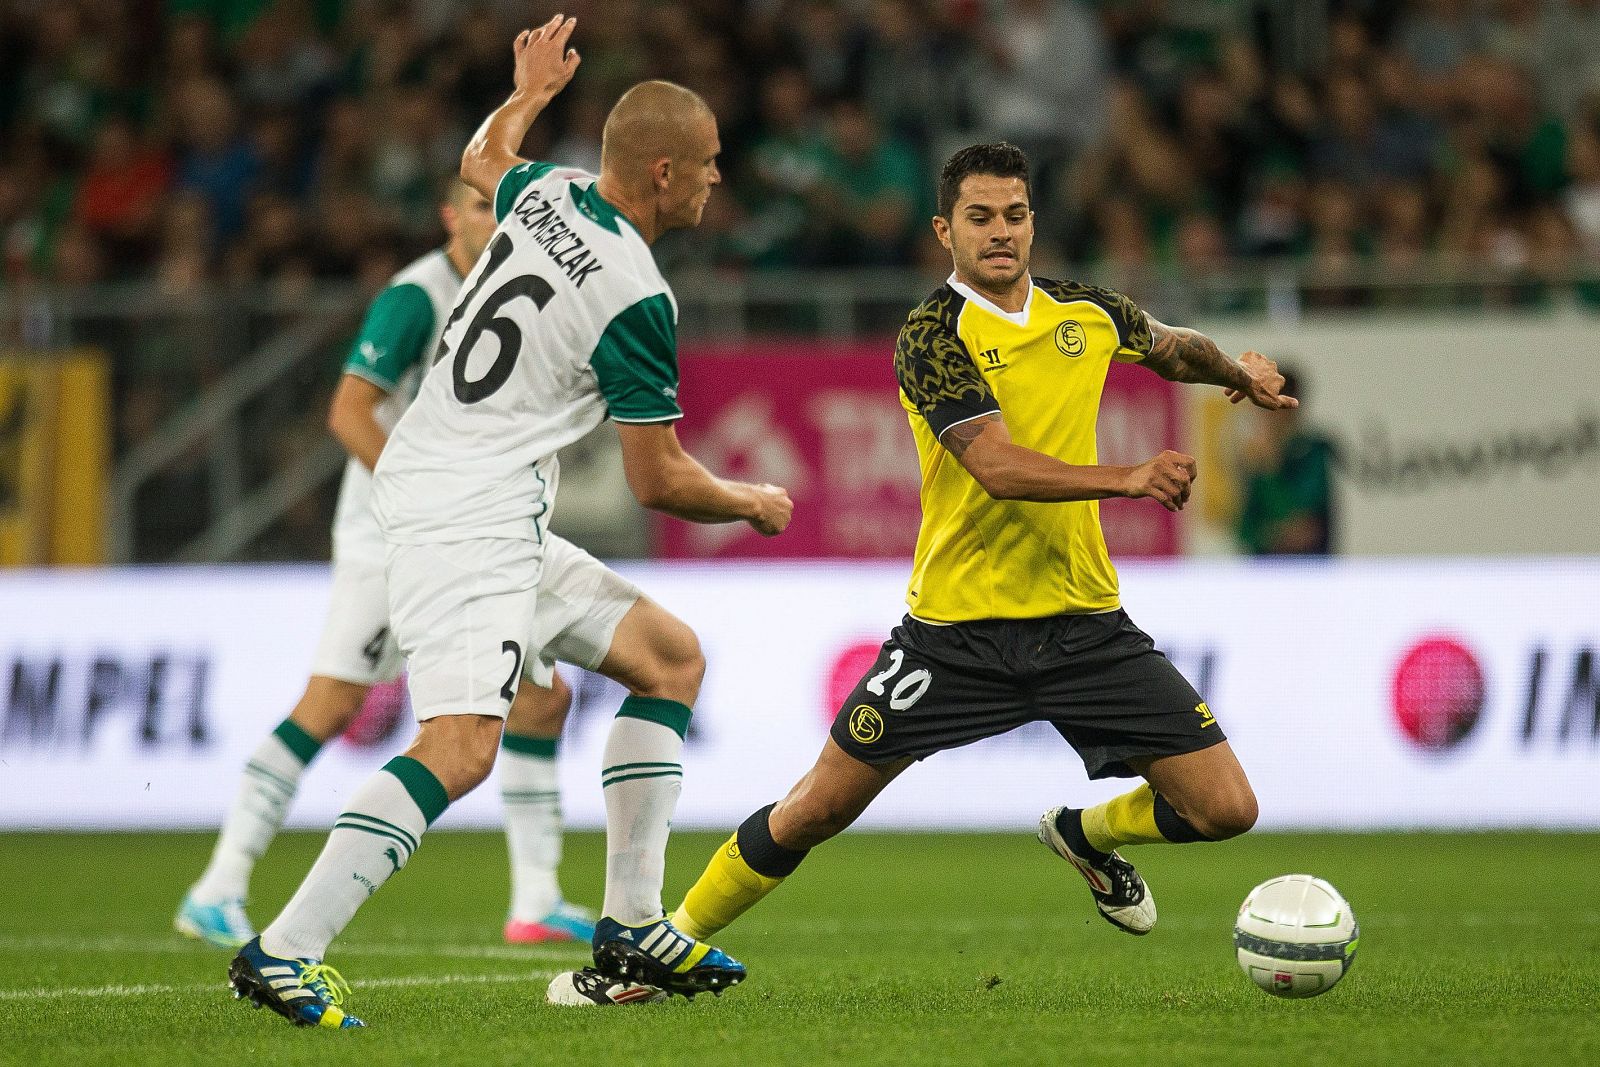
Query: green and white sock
(371, 840)
(642, 777)
(533, 823)
(270, 780)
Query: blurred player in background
(397, 343)
(564, 322)
(1015, 615)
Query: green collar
(598, 208)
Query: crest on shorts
(1069, 338)
(866, 725)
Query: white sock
(642, 776)
(270, 780)
(533, 824)
(371, 840)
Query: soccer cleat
(657, 954)
(566, 922)
(223, 924)
(1119, 892)
(306, 992)
(589, 988)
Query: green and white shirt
(564, 322)
(397, 341)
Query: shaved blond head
(653, 120)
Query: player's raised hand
(544, 63)
(1167, 479)
(773, 510)
(1265, 384)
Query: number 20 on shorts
(908, 690)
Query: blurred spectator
(1582, 197)
(215, 160)
(826, 45)
(784, 169)
(284, 64)
(870, 193)
(916, 75)
(1288, 490)
(121, 193)
(1046, 67)
(586, 122)
(1177, 111)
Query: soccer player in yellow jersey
(1014, 610)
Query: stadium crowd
(287, 141)
(233, 157)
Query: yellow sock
(726, 890)
(1126, 820)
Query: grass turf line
(958, 948)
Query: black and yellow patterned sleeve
(1133, 329)
(935, 370)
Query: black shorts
(1098, 679)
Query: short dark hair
(1001, 160)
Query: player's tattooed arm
(958, 438)
(544, 65)
(1183, 355)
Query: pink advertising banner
(823, 419)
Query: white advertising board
(1467, 435)
(1359, 694)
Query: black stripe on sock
(764, 855)
(1175, 827)
(1069, 824)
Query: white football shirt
(565, 321)
(397, 342)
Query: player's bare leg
(529, 790)
(830, 798)
(1193, 796)
(770, 844)
(213, 910)
(458, 750)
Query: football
(1295, 936)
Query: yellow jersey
(960, 357)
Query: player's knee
(1227, 816)
(686, 663)
(678, 666)
(328, 706)
(472, 768)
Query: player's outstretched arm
(1009, 471)
(544, 65)
(353, 419)
(665, 478)
(1183, 355)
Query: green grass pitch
(926, 948)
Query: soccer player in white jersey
(397, 342)
(564, 322)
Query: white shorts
(472, 617)
(357, 645)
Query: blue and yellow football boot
(658, 954)
(306, 992)
(223, 924)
